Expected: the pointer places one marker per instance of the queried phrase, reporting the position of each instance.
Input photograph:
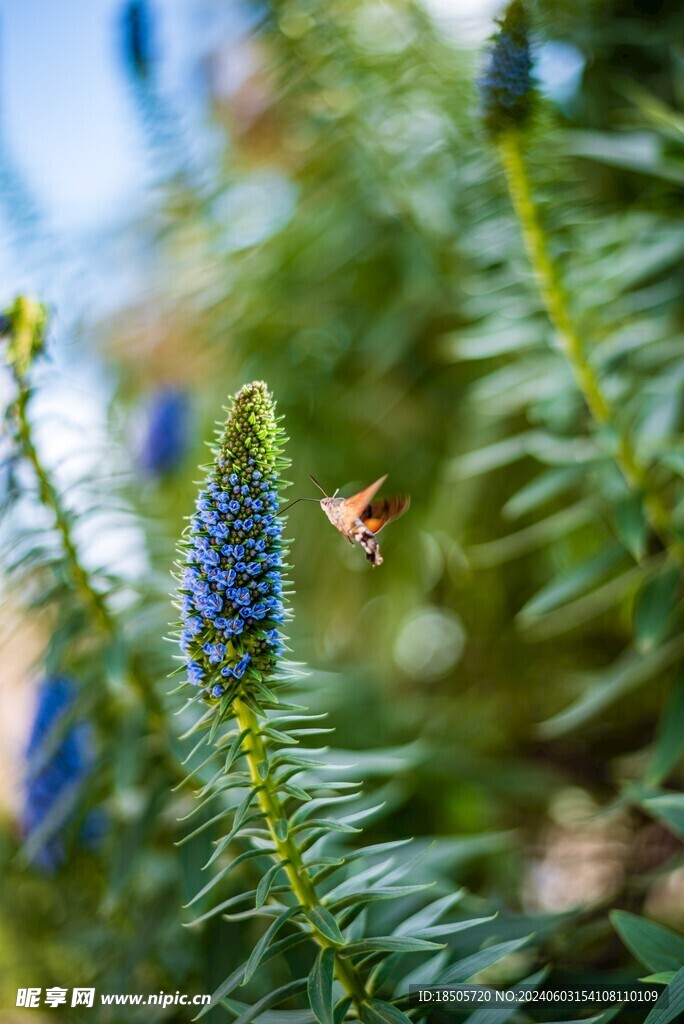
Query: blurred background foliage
(325, 213)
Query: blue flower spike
(55, 773)
(166, 431)
(231, 595)
(506, 85)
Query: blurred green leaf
(668, 808)
(604, 688)
(377, 1011)
(668, 747)
(468, 967)
(320, 987)
(569, 585)
(657, 947)
(545, 487)
(631, 525)
(670, 1004)
(653, 608)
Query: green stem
(90, 597)
(572, 344)
(287, 849)
(51, 500)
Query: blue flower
(164, 443)
(227, 592)
(56, 773)
(195, 673)
(242, 664)
(137, 37)
(506, 85)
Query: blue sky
(68, 117)
(66, 111)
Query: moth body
(359, 518)
(352, 528)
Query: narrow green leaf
(281, 829)
(226, 812)
(452, 927)
(361, 879)
(429, 972)
(375, 895)
(237, 1006)
(272, 999)
(377, 1011)
(227, 840)
(657, 947)
(589, 606)
(671, 1002)
(669, 809)
(514, 545)
(603, 688)
(247, 855)
(318, 802)
(264, 886)
(543, 488)
(464, 970)
(320, 986)
(265, 941)
(493, 456)
(391, 944)
(241, 812)
(324, 922)
(570, 585)
(376, 848)
(230, 983)
(668, 748)
(341, 1009)
(292, 789)
(429, 914)
(328, 824)
(241, 897)
(654, 606)
(631, 526)
(500, 1016)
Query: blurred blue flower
(231, 593)
(165, 440)
(506, 85)
(58, 760)
(136, 26)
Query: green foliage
(510, 680)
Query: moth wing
(358, 502)
(380, 513)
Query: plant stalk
(90, 597)
(288, 851)
(572, 344)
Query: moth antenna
(281, 510)
(336, 493)
(313, 478)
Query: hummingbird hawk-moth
(359, 518)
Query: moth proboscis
(359, 518)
